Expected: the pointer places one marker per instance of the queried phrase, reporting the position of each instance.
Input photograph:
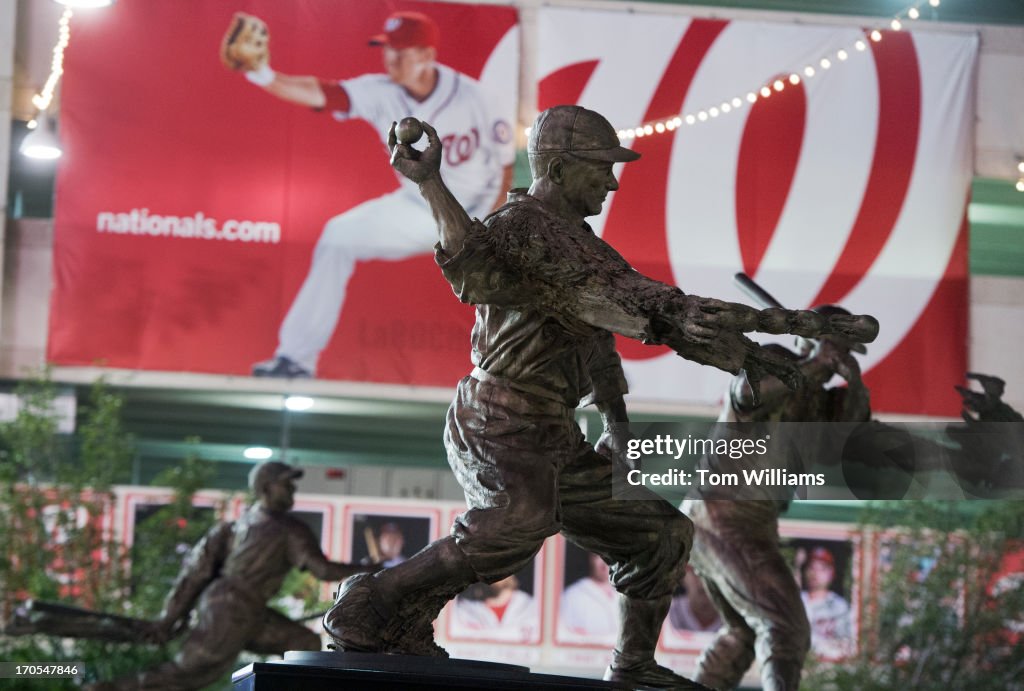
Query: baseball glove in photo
(246, 44)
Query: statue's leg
(737, 551)
(375, 612)
(226, 619)
(278, 634)
(727, 658)
(646, 544)
(504, 463)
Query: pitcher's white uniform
(831, 629)
(588, 613)
(398, 225)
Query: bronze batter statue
(549, 295)
(736, 542)
(228, 578)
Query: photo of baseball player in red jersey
(245, 209)
(479, 153)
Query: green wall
(996, 214)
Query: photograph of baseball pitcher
(263, 236)
(478, 163)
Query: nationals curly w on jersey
(476, 145)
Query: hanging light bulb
(42, 142)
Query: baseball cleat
(281, 367)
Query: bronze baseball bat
(371, 544)
(755, 292)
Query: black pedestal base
(323, 671)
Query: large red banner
(191, 198)
(830, 165)
(204, 223)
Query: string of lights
(42, 141)
(735, 103)
(777, 85)
(43, 99)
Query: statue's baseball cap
(263, 474)
(578, 131)
(408, 30)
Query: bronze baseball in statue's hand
(413, 164)
(409, 131)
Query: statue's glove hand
(762, 361)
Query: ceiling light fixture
(85, 3)
(258, 453)
(298, 403)
(41, 142)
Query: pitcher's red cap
(408, 30)
(823, 555)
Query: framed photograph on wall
(692, 620)
(139, 505)
(160, 535)
(586, 604)
(508, 611)
(387, 533)
(499, 622)
(319, 517)
(827, 566)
